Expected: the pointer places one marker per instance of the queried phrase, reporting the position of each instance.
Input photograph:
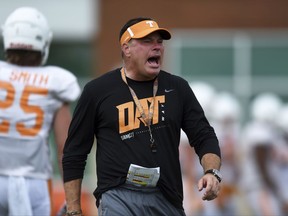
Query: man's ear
(126, 49)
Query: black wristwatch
(216, 173)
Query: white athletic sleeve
(65, 85)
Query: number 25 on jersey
(8, 102)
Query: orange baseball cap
(142, 29)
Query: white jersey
(256, 133)
(29, 98)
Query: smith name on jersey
(29, 98)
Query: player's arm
(61, 124)
(262, 153)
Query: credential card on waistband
(143, 176)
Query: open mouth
(154, 61)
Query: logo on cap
(142, 29)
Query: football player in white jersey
(226, 117)
(281, 155)
(34, 99)
(260, 140)
(193, 203)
